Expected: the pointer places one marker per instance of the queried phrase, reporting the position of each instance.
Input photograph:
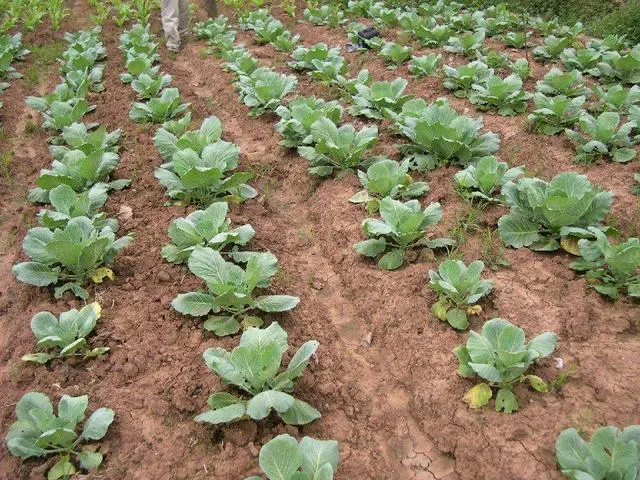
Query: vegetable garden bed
(383, 377)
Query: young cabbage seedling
(379, 99)
(283, 458)
(555, 114)
(500, 356)
(39, 432)
(480, 181)
(459, 288)
(387, 178)
(425, 65)
(159, 109)
(403, 227)
(252, 367)
(67, 334)
(298, 115)
(210, 228)
(336, 148)
(74, 255)
(231, 290)
(610, 268)
(611, 453)
(604, 136)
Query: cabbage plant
(387, 178)
(557, 82)
(264, 89)
(582, 59)
(439, 135)
(203, 178)
(67, 204)
(611, 453)
(603, 136)
(80, 171)
(485, 177)
(334, 148)
(231, 289)
(69, 257)
(241, 64)
(425, 65)
(395, 54)
(544, 214)
(39, 432)
(284, 458)
(621, 68)
(138, 65)
(170, 138)
(461, 79)
(615, 98)
(209, 227)
(65, 336)
(506, 96)
(321, 62)
(253, 369)
(459, 288)
(516, 39)
(403, 226)
(521, 68)
(376, 100)
(553, 115)
(434, 37)
(500, 356)
(466, 44)
(78, 136)
(64, 114)
(159, 109)
(494, 59)
(147, 86)
(551, 48)
(330, 15)
(610, 268)
(299, 114)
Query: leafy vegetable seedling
(74, 255)
(66, 334)
(403, 227)
(252, 367)
(210, 228)
(231, 290)
(378, 99)
(501, 357)
(610, 268)
(603, 136)
(546, 216)
(336, 148)
(159, 109)
(298, 115)
(555, 114)
(283, 458)
(39, 432)
(610, 454)
(480, 181)
(459, 288)
(387, 178)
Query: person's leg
(183, 26)
(170, 22)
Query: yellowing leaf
(537, 383)
(439, 309)
(101, 273)
(474, 310)
(478, 396)
(570, 244)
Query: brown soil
(384, 378)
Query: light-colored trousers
(175, 21)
